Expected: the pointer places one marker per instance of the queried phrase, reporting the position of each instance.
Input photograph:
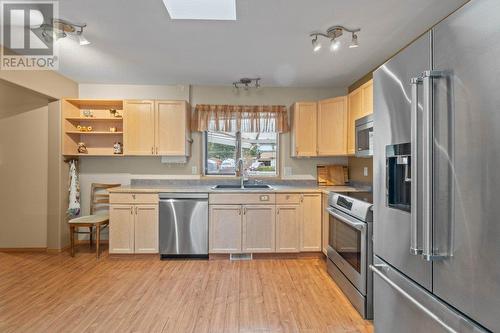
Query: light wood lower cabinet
(311, 223)
(288, 228)
(121, 229)
(225, 229)
(292, 225)
(133, 228)
(325, 222)
(258, 228)
(146, 229)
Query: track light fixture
(246, 83)
(333, 34)
(61, 28)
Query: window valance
(243, 118)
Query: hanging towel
(74, 191)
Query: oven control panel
(359, 209)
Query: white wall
(23, 178)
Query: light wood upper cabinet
(121, 229)
(367, 97)
(146, 229)
(360, 105)
(139, 124)
(156, 128)
(258, 228)
(288, 219)
(225, 229)
(332, 126)
(311, 223)
(172, 128)
(304, 129)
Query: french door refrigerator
(437, 179)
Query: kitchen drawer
(288, 198)
(133, 198)
(242, 198)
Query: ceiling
(135, 42)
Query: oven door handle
(356, 225)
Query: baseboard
(23, 249)
(301, 255)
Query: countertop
(209, 189)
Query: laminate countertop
(209, 189)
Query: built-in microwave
(364, 136)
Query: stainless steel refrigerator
(437, 179)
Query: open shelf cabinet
(100, 140)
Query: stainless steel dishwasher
(183, 225)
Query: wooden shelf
(94, 133)
(96, 103)
(93, 119)
(94, 154)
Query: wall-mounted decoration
(112, 129)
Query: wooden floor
(56, 293)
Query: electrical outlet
(194, 170)
(365, 171)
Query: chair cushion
(90, 219)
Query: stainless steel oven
(364, 136)
(349, 249)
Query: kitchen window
(259, 152)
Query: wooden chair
(98, 200)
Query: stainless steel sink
(245, 187)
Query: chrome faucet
(240, 172)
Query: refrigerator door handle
(415, 247)
(427, 152)
(377, 269)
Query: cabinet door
(288, 228)
(171, 128)
(259, 228)
(139, 127)
(304, 136)
(367, 97)
(225, 229)
(324, 221)
(121, 229)
(146, 228)
(332, 126)
(311, 223)
(355, 112)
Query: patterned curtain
(243, 118)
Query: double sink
(244, 187)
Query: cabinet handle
(152, 150)
(278, 211)
(239, 211)
(301, 198)
(133, 196)
(136, 210)
(244, 211)
(131, 210)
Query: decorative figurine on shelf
(113, 112)
(112, 129)
(79, 128)
(87, 113)
(82, 148)
(89, 128)
(117, 148)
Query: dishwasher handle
(197, 196)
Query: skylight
(201, 9)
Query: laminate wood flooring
(56, 293)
